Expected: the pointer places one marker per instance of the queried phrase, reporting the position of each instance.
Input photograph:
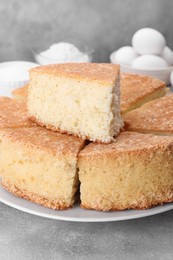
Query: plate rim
(135, 214)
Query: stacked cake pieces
(154, 117)
(135, 90)
(120, 171)
(79, 99)
(35, 163)
(40, 165)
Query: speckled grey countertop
(24, 236)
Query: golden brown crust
(126, 143)
(134, 172)
(153, 117)
(136, 88)
(136, 206)
(53, 204)
(21, 93)
(55, 129)
(102, 72)
(41, 138)
(13, 114)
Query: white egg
(148, 41)
(149, 62)
(167, 55)
(125, 55)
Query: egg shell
(167, 55)
(148, 41)
(125, 55)
(149, 62)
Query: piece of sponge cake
(20, 93)
(13, 114)
(40, 165)
(77, 98)
(134, 171)
(154, 117)
(137, 90)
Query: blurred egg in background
(148, 41)
(125, 55)
(148, 55)
(149, 61)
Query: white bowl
(161, 73)
(12, 81)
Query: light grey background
(27, 237)
(103, 24)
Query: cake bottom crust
(52, 204)
(83, 137)
(136, 206)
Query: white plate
(77, 214)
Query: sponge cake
(40, 165)
(135, 171)
(154, 117)
(77, 98)
(137, 90)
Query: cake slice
(20, 93)
(13, 114)
(154, 117)
(40, 165)
(133, 172)
(77, 98)
(137, 90)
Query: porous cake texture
(137, 90)
(135, 171)
(40, 165)
(82, 99)
(154, 117)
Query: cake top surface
(133, 88)
(136, 87)
(13, 113)
(156, 115)
(47, 140)
(103, 72)
(128, 142)
(21, 91)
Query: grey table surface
(24, 236)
